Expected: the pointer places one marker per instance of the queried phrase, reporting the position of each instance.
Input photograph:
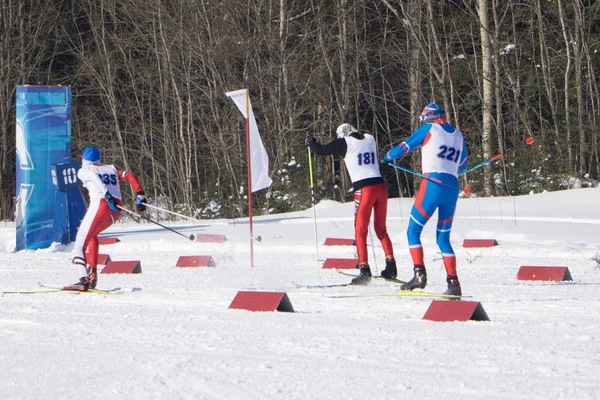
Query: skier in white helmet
(359, 151)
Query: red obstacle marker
(339, 242)
(108, 240)
(208, 238)
(122, 267)
(340, 263)
(103, 259)
(195, 261)
(262, 301)
(480, 243)
(455, 310)
(529, 273)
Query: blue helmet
(91, 154)
(431, 112)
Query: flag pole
(249, 180)
(254, 151)
(314, 207)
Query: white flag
(259, 160)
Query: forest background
(149, 79)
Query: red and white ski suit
(98, 179)
(370, 192)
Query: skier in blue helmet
(102, 184)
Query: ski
(335, 285)
(341, 285)
(77, 289)
(342, 272)
(400, 293)
(45, 291)
(396, 281)
(55, 290)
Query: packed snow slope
(171, 335)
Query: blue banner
(43, 139)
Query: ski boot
(390, 271)
(364, 277)
(82, 286)
(419, 281)
(453, 286)
(93, 272)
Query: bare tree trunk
(567, 77)
(435, 46)
(415, 76)
(343, 102)
(414, 67)
(106, 73)
(499, 122)
(183, 147)
(10, 57)
(578, 46)
(593, 90)
(548, 80)
(488, 93)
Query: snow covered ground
(172, 336)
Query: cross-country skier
(102, 184)
(444, 157)
(370, 193)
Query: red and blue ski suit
(444, 157)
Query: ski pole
(529, 140)
(312, 195)
(171, 212)
(257, 238)
(429, 178)
(191, 237)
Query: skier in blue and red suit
(444, 157)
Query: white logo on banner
(25, 160)
(23, 197)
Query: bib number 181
(366, 158)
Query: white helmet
(344, 130)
